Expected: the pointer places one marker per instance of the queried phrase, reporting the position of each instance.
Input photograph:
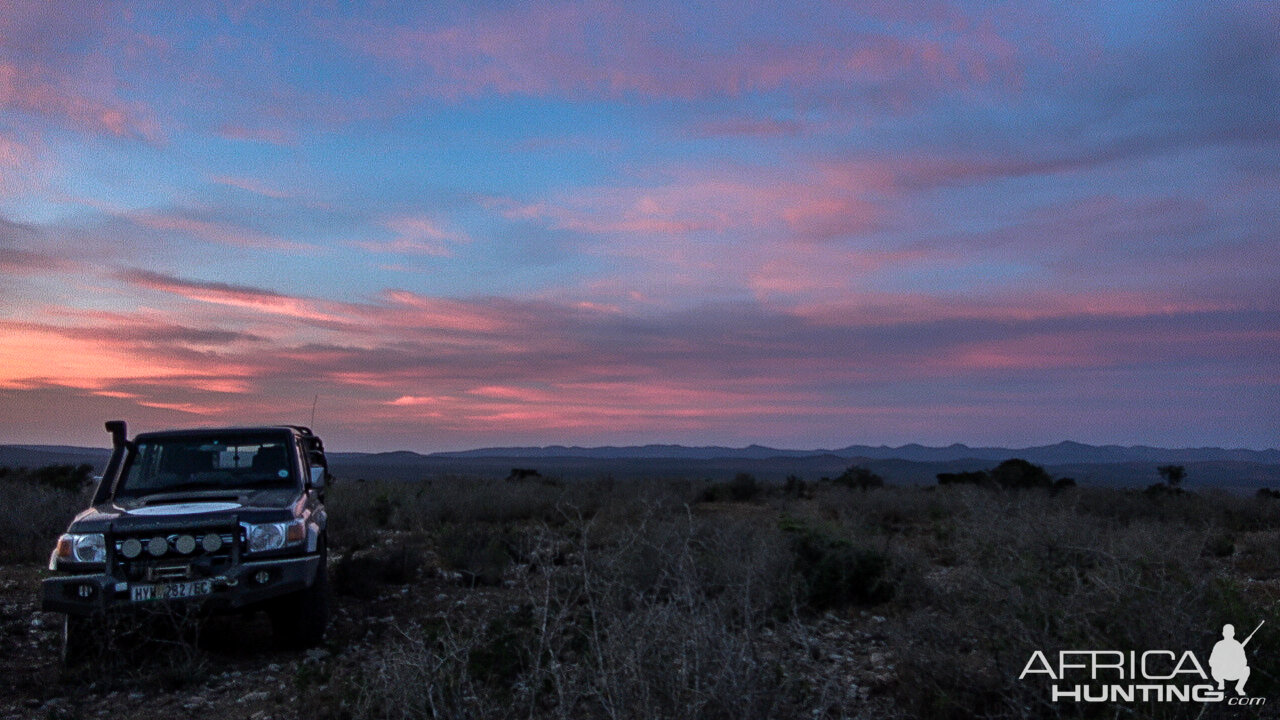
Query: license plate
(170, 591)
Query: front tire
(299, 620)
(82, 640)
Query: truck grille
(172, 555)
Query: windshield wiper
(177, 487)
(268, 481)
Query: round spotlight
(131, 548)
(157, 546)
(211, 542)
(261, 577)
(185, 544)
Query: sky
(438, 226)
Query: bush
(652, 615)
(795, 487)
(833, 572)
(1032, 572)
(481, 553)
(360, 573)
(1018, 474)
(859, 478)
(39, 505)
(742, 488)
(979, 477)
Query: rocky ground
(506, 601)
(234, 671)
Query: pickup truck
(230, 519)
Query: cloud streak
(491, 367)
(595, 48)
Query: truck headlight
(82, 548)
(273, 536)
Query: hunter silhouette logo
(1228, 662)
(1153, 675)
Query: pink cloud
(240, 296)
(24, 262)
(407, 309)
(418, 236)
(595, 47)
(42, 92)
(13, 154)
(568, 406)
(804, 203)
(35, 356)
(268, 135)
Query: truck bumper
(241, 586)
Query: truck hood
(201, 508)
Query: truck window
(169, 464)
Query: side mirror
(317, 477)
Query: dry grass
(636, 600)
(648, 606)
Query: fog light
(84, 591)
(261, 577)
(211, 542)
(157, 546)
(185, 544)
(131, 548)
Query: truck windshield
(232, 463)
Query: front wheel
(299, 620)
(82, 640)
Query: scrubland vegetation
(818, 598)
(37, 505)
(823, 599)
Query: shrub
(1163, 490)
(795, 487)
(1098, 572)
(1018, 474)
(360, 573)
(38, 507)
(481, 553)
(1172, 474)
(860, 478)
(742, 488)
(979, 477)
(1065, 483)
(833, 572)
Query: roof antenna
(314, 400)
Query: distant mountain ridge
(1063, 453)
(1066, 452)
(1238, 470)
